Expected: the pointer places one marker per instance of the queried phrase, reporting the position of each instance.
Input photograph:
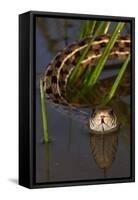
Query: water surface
(69, 154)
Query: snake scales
(55, 77)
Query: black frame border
(27, 148)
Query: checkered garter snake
(56, 76)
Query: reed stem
(97, 71)
(92, 79)
(44, 117)
(117, 82)
(92, 27)
(76, 72)
(107, 25)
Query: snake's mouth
(102, 117)
(103, 120)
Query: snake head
(103, 120)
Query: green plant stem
(84, 30)
(88, 28)
(117, 82)
(104, 56)
(107, 25)
(92, 27)
(90, 82)
(44, 117)
(76, 72)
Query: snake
(56, 75)
(103, 120)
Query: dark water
(69, 154)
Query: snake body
(57, 73)
(55, 77)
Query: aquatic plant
(102, 60)
(90, 77)
(117, 82)
(77, 70)
(44, 116)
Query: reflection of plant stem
(117, 82)
(70, 129)
(47, 162)
(46, 138)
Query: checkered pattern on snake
(55, 77)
